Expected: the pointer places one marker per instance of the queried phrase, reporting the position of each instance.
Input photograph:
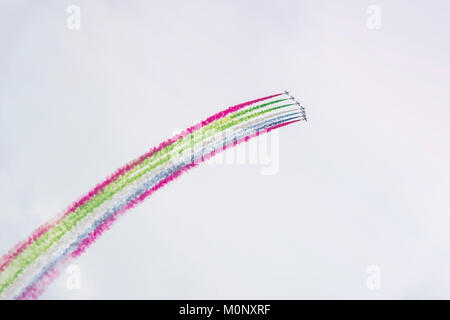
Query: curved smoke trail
(33, 264)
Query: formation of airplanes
(302, 109)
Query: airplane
(286, 92)
(304, 116)
(303, 113)
(293, 98)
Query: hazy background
(365, 182)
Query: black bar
(220, 309)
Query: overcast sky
(365, 182)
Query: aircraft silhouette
(302, 110)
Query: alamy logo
(262, 151)
(74, 279)
(373, 281)
(373, 21)
(74, 19)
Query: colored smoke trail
(41, 230)
(31, 266)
